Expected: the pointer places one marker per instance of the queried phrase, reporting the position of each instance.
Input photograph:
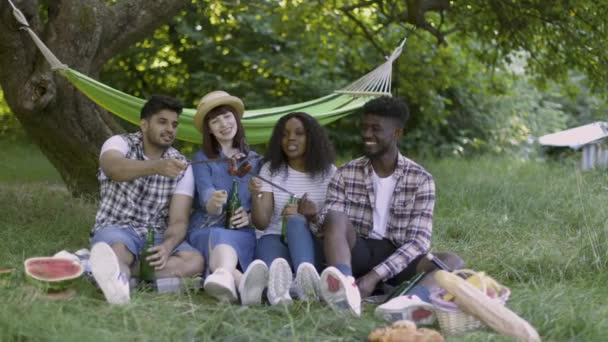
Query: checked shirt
(141, 203)
(409, 226)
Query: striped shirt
(409, 226)
(297, 182)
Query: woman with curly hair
(300, 158)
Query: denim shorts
(128, 237)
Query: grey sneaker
(279, 282)
(307, 281)
(106, 271)
(253, 283)
(220, 285)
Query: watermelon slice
(52, 274)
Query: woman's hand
(290, 209)
(219, 198)
(307, 208)
(240, 218)
(255, 186)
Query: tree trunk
(84, 34)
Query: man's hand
(159, 256)
(170, 167)
(367, 283)
(240, 218)
(307, 208)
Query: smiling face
(380, 135)
(159, 129)
(223, 126)
(293, 141)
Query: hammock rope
(258, 123)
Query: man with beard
(144, 184)
(378, 219)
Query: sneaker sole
(220, 292)
(256, 278)
(279, 281)
(334, 294)
(106, 271)
(308, 281)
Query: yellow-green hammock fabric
(258, 123)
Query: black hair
(319, 155)
(156, 103)
(211, 146)
(388, 107)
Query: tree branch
(128, 22)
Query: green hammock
(258, 123)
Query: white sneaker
(340, 291)
(307, 281)
(279, 282)
(410, 308)
(220, 285)
(253, 283)
(106, 271)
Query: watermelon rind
(55, 284)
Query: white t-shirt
(185, 186)
(383, 191)
(297, 182)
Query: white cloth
(297, 182)
(383, 189)
(184, 187)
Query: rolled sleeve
(417, 233)
(335, 200)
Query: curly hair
(211, 147)
(388, 107)
(319, 154)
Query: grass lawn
(539, 228)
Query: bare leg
(125, 258)
(224, 256)
(182, 264)
(340, 238)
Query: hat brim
(206, 107)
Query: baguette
(498, 317)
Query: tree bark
(84, 34)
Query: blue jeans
(300, 245)
(242, 240)
(128, 237)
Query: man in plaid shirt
(145, 184)
(378, 214)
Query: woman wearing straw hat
(218, 118)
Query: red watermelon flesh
(52, 273)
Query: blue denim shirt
(211, 177)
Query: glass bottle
(146, 271)
(233, 204)
(292, 200)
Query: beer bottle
(292, 200)
(146, 271)
(233, 204)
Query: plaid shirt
(409, 226)
(141, 203)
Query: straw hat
(215, 99)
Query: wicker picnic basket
(452, 320)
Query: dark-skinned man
(378, 219)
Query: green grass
(540, 228)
